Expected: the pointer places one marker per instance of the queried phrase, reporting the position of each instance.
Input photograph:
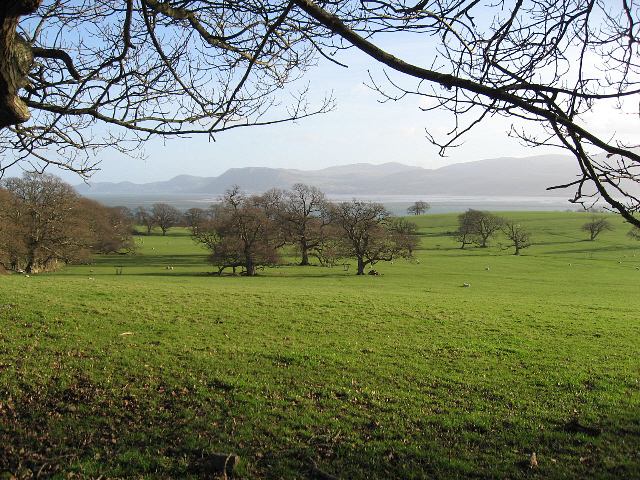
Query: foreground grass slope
(405, 375)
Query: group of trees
(248, 231)
(160, 215)
(179, 67)
(44, 222)
(477, 227)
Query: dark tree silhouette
(302, 218)
(518, 236)
(145, 218)
(165, 216)
(418, 208)
(477, 227)
(364, 227)
(596, 226)
(240, 233)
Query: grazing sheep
(466, 285)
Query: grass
(405, 375)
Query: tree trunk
(360, 266)
(16, 59)
(250, 267)
(305, 254)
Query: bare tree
(194, 218)
(465, 233)
(165, 216)
(111, 228)
(596, 226)
(144, 217)
(406, 233)
(364, 226)
(634, 233)
(77, 77)
(418, 208)
(477, 227)
(240, 233)
(47, 223)
(487, 226)
(302, 218)
(518, 235)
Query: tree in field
(110, 228)
(302, 218)
(595, 226)
(365, 230)
(48, 227)
(194, 218)
(176, 67)
(165, 216)
(240, 233)
(12, 249)
(486, 228)
(634, 233)
(418, 208)
(478, 227)
(518, 236)
(465, 234)
(145, 218)
(406, 233)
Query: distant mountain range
(528, 176)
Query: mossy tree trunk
(16, 59)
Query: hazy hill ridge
(529, 176)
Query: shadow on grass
(166, 428)
(150, 261)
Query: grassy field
(404, 375)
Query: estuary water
(397, 204)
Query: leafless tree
(634, 233)
(418, 208)
(240, 233)
(194, 217)
(47, 224)
(596, 226)
(364, 226)
(111, 228)
(406, 233)
(145, 217)
(76, 77)
(478, 227)
(302, 218)
(465, 233)
(518, 235)
(165, 216)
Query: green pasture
(407, 374)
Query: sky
(360, 129)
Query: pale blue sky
(360, 129)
